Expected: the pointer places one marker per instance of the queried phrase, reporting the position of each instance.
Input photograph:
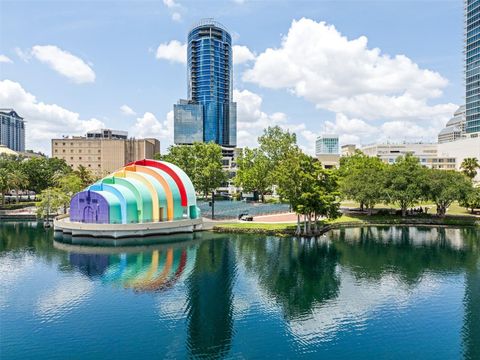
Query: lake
(357, 293)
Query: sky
(368, 71)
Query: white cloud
(251, 121)
(176, 16)
(127, 110)
(242, 54)
(173, 51)
(5, 59)
(23, 55)
(316, 62)
(44, 121)
(149, 126)
(358, 131)
(170, 3)
(64, 63)
(240, 2)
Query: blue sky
(69, 66)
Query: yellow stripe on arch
(153, 192)
(162, 182)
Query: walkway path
(276, 218)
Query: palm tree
(18, 181)
(85, 175)
(5, 183)
(469, 167)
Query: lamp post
(213, 204)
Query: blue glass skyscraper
(472, 65)
(209, 109)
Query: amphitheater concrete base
(116, 231)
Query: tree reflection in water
(407, 252)
(298, 273)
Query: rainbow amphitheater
(145, 197)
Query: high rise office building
(209, 114)
(472, 64)
(12, 130)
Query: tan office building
(103, 151)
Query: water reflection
(154, 270)
(298, 274)
(356, 293)
(210, 300)
(407, 252)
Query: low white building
(461, 149)
(426, 153)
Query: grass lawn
(454, 209)
(360, 219)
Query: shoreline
(282, 229)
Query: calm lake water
(369, 293)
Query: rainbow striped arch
(143, 191)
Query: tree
(69, 185)
(362, 179)
(85, 175)
(202, 162)
(469, 167)
(275, 143)
(254, 172)
(5, 183)
(184, 156)
(18, 181)
(311, 190)
(405, 182)
(445, 187)
(50, 201)
(289, 175)
(209, 174)
(41, 172)
(471, 200)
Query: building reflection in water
(321, 286)
(142, 272)
(208, 269)
(210, 300)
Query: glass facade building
(472, 64)
(188, 123)
(210, 88)
(12, 130)
(327, 144)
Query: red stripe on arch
(169, 171)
